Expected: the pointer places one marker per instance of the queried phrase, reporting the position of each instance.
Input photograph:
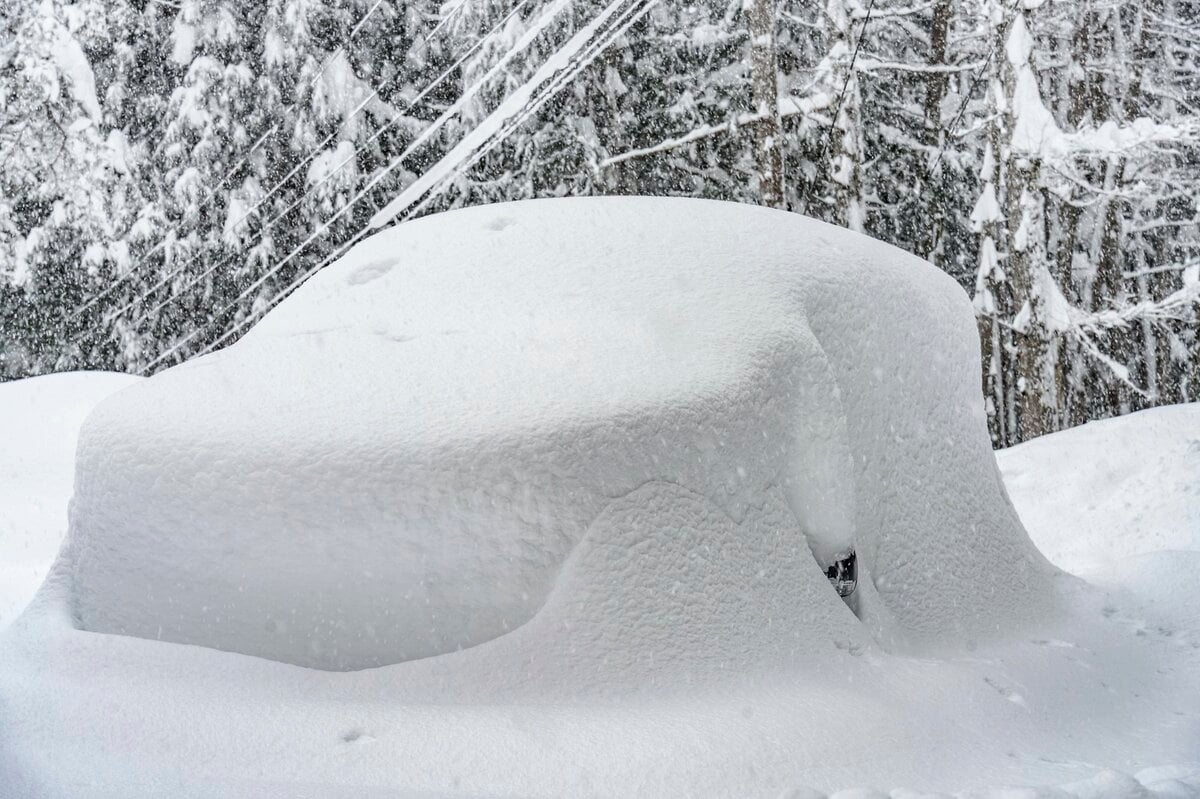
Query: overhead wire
(577, 61)
(538, 97)
(561, 5)
(837, 111)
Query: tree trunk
(928, 241)
(992, 299)
(846, 148)
(768, 139)
(1027, 270)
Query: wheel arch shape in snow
(398, 461)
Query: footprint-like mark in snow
(356, 735)
(1006, 692)
(1056, 643)
(371, 271)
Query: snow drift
(1112, 490)
(39, 423)
(581, 406)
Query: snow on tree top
(413, 453)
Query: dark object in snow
(843, 574)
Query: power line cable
(553, 75)
(837, 111)
(576, 62)
(558, 7)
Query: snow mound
(498, 411)
(39, 424)
(1100, 494)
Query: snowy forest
(172, 170)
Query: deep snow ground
(39, 423)
(1126, 661)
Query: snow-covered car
(539, 499)
(400, 461)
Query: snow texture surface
(405, 457)
(39, 423)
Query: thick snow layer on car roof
(556, 405)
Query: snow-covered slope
(686, 642)
(405, 458)
(39, 424)
(1099, 494)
